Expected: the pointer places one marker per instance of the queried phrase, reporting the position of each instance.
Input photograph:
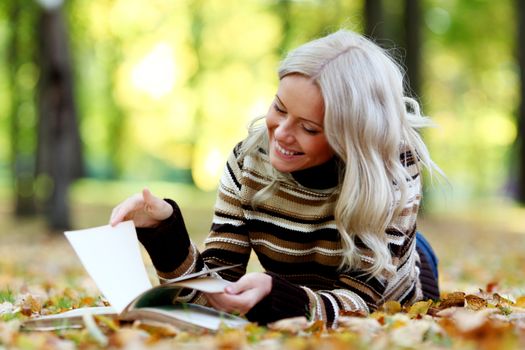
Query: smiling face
(295, 126)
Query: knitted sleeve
(354, 290)
(169, 246)
(173, 253)
(228, 242)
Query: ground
(481, 257)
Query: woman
(326, 193)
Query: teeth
(285, 152)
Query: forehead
(302, 97)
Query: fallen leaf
(230, 340)
(491, 286)
(475, 303)
(291, 325)
(29, 305)
(469, 320)
(316, 327)
(453, 299)
(448, 312)
(365, 328)
(353, 313)
(501, 301)
(521, 301)
(413, 333)
(391, 307)
(129, 338)
(419, 308)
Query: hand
(242, 295)
(144, 209)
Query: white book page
(205, 284)
(112, 257)
(203, 319)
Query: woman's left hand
(242, 295)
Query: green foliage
(166, 88)
(471, 91)
(7, 295)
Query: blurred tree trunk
(412, 28)
(520, 154)
(59, 158)
(406, 34)
(20, 57)
(374, 19)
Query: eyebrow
(305, 119)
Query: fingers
(144, 209)
(124, 210)
(242, 295)
(243, 284)
(240, 303)
(149, 198)
(259, 281)
(156, 207)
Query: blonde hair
(367, 120)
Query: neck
(321, 177)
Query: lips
(286, 152)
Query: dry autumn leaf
(353, 313)
(501, 301)
(29, 305)
(414, 332)
(492, 321)
(291, 325)
(453, 299)
(475, 303)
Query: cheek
(271, 121)
(322, 149)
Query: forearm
(288, 300)
(170, 247)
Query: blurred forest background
(102, 97)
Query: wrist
(268, 284)
(167, 211)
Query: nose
(284, 132)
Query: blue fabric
(425, 247)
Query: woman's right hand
(145, 209)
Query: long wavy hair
(367, 120)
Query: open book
(112, 257)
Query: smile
(284, 151)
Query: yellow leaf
(520, 302)
(419, 308)
(108, 322)
(391, 307)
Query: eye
(279, 110)
(310, 130)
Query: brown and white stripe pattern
(294, 236)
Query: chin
(282, 166)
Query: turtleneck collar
(320, 177)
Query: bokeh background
(100, 98)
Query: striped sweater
(295, 238)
